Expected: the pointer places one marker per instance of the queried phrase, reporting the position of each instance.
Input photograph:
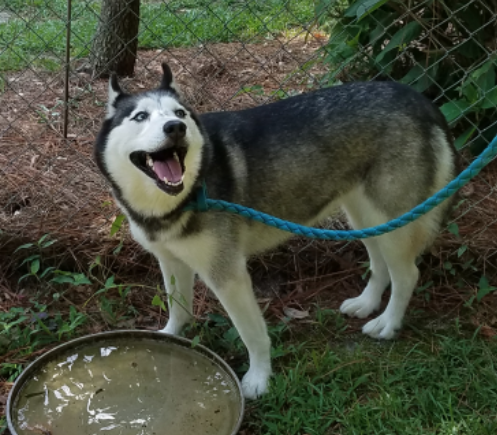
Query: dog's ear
(167, 83)
(114, 92)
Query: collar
(200, 201)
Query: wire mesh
(226, 54)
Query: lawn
(35, 31)
(444, 384)
(438, 378)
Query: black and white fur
(373, 149)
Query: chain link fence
(229, 54)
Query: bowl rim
(122, 333)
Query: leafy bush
(445, 49)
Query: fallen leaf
(319, 35)
(295, 314)
(487, 331)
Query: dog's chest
(197, 251)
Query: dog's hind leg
(399, 250)
(360, 216)
(370, 299)
(234, 291)
(178, 280)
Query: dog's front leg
(237, 297)
(178, 280)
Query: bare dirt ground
(51, 185)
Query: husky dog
(374, 149)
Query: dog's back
(319, 146)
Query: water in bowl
(118, 388)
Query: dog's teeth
(172, 183)
(150, 162)
(175, 155)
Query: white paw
(384, 327)
(360, 307)
(255, 383)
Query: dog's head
(150, 140)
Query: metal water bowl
(126, 383)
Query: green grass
(35, 33)
(327, 380)
(444, 385)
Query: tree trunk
(116, 41)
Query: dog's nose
(175, 129)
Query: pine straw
(51, 185)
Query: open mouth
(165, 166)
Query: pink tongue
(171, 169)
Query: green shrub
(445, 49)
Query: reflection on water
(118, 388)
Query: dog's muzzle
(166, 165)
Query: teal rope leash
(202, 204)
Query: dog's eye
(180, 113)
(140, 116)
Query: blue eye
(180, 113)
(140, 116)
